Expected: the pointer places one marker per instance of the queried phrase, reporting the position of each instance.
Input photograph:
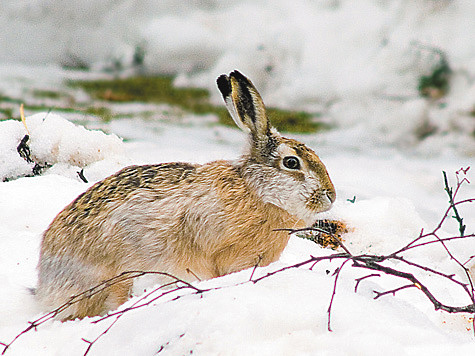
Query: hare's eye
(291, 162)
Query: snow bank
(53, 141)
(280, 315)
(357, 63)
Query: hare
(192, 221)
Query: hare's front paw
(327, 233)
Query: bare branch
(393, 291)
(329, 310)
(259, 259)
(358, 280)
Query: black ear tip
(224, 85)
(238, 75)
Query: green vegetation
(6, 113)
(47, 94)
(7, 99)
(160, 90)
(100, 111)
(156, 90)
(436, 84)
(6, 104)
(9, 105)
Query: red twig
(392, 291)
(359, 280)
(329, 310)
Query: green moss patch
(160, 90)
(47, 94)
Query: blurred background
(396, 73)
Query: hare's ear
(244, 104)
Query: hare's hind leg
(118, 293)
(84, 306)
(110, 298)
(69, 303)
(79, 291)
(73, 302)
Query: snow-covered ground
(356, 63)
(285, 314)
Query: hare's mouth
(321, 200)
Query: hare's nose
(331, 195)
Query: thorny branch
(375, 263)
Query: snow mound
(53, 142)
(284, 314)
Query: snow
(280, 315)
(354, 63)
